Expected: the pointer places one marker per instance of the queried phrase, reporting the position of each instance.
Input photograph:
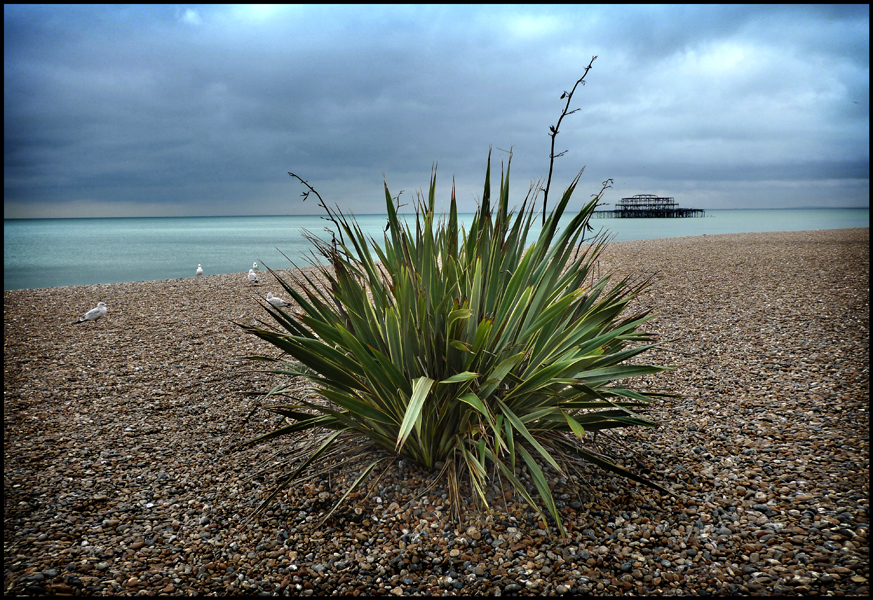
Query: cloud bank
(202, 110)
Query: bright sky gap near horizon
(190, 110)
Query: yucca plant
(469, 349)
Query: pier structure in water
(648, 206)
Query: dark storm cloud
(203, 109)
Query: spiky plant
(468, 349)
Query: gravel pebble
(119, 476)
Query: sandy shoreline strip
(117, 477)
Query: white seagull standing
(253, 277)
(276, 301)
(199, 270)
(94, 313)
(255, 266)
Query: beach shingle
(119, 476)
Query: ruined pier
(648, 206)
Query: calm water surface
(41, 253)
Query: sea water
(41, 253)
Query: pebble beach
(122, 474)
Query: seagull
(253, 277)
(255, 266)
(199, 270)
(276, 301)
(94, 313)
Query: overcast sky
(202, 110)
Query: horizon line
(386, 214)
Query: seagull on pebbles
(94, 313)
(276, 301)
(199, 270)
(253, 277)
(255, 266)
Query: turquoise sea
(40, 253)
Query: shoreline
(119, 479)
(305, 266)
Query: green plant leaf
(420, 389)
(460, 377)
(542, 487)
(578, 430)
(519, 426)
